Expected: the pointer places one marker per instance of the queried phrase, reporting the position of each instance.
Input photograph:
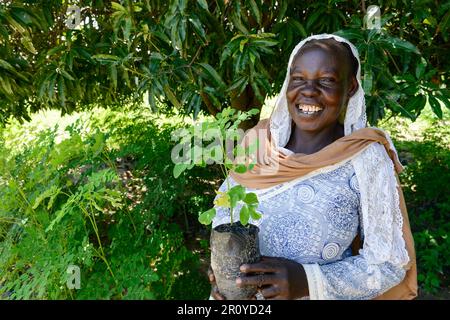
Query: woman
(324, 181)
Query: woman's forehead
(338, 53)
(327, 60)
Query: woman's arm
(352, 279)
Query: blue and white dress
(313, 222)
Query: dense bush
(424, 149)
(427, 193)
(99, 195)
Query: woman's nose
(309, 89)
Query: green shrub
(427, 193)
(103, 199)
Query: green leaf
(399, 43)
(253, 213)
(238, 23)
(5, 65)
(6, 85)
(207, 216)
(251, 198)
(105, 58)
(236, 194)
(127, 29)
(283, 7)
(198, 28)
(118, 7)
(417, 103)
(255, 11)
(398, 108)
(314, 16)
(66, 75)
(171, 96)
(242, 44)
(212, 74)
(61, 91)
(301, 30)
(367, 81)
(244, 215)
(179, 169)
(238, 83)
(435, 105)
(203, 4)
(240, 168)
(265, 43)
(53, 191)
(420, 69)
(350, 34)
(113, 73)
(28, 44)
(182, 29)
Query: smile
(308, 109)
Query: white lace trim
(382, 218)
(315, 281)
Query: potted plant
(234, 243)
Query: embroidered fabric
(313, 221)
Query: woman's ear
(353, 87)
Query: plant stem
(94, 225)
(227, 173)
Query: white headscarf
(355, 116)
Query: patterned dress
(314, 222)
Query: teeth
(307, 108)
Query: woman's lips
(308, 109)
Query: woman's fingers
(216, 294)
(211, 277)
(267, 264)
(258, 280)
(270, 292)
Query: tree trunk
(245, 102)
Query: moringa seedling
(223, 130)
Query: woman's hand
(277, 278)
(214, 289)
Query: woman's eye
(298, 79)
(327, 80)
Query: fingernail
(244, 267)
(238, 281)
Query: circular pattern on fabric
(330, 250)
(305, 193)
(361, 264)
(354, 183)
(286, 236)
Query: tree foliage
(197, 55)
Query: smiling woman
(334, 224)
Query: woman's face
(319, 87)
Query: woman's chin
(308, 121)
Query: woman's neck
(310, 142)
